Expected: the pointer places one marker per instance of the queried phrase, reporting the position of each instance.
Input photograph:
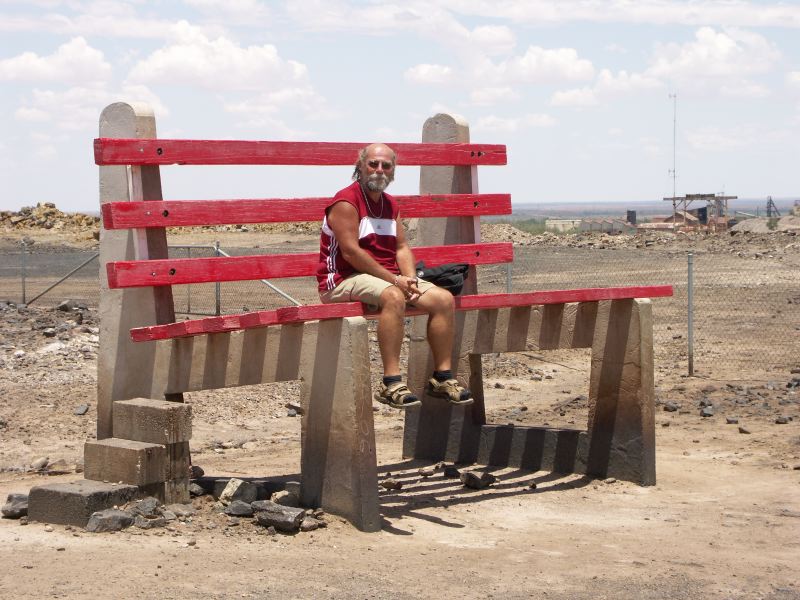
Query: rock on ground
(111, 519)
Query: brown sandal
(449, 390)
(396, 395)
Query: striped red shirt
(377, 234)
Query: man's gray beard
(377, 183)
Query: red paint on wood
(180, 213)
(141, 273)
(313, 312)
(113, 151)
(482, 301)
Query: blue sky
(577, 89)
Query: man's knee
(392, 299)
(440, 300)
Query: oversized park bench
(146, 353)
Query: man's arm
(405, 260)
(343, 220)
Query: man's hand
(408, 285)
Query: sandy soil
(722, 522)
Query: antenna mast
(673, 171)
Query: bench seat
(312, 312)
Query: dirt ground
(723, 520)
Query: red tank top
(377, 234)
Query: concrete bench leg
(338, 462)
(621, 394)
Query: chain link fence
(746, 310)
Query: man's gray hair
(362, 158)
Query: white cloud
(97, 19)
(714, 62)
(744, 89)
(538, 120)
(219, 64)
(27, 113)
(651, 146)
(233, 12)
(623, 83)
(45, 151)
(580, 97)
(488, 96)
(74, 62)
(537, 65)
(439, 107)
(419, 17)
(793, 79)
(657, 12)
(493, 39)
(711, 139)
(714, 54)
(272, 127)
(270, 103)
(493, 123)
(78, 108)
(427, 74)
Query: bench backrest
(154, 213)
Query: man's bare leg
(392, 390)
(439, 305)
(391, 329)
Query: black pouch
(450, 276)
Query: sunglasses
(387, 166)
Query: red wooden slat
(112, 151)
(140, 273)
(481, 301)
(312, 312)
(177, 213)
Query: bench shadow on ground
(420, 493)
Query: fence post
(24, 268)
(217, 286)
(189, 286)
(690, 309)
(508, 278)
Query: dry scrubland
(722, 522)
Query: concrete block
(126, 461)
(74, 502)
(153, 421)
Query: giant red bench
(145, 352)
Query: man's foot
(396, 395)
(450, 390)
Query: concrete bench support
(620, 437)
(338, 465)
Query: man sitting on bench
(364, 257)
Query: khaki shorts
(365, 288)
